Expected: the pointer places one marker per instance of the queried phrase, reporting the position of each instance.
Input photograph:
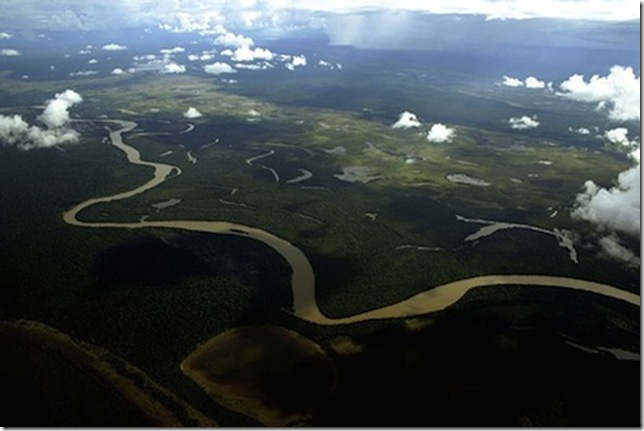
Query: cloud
(299, 60)
(233, 40)
(174, 50)
(40, 138)
(406, 120)
(15, 131)
(204, 16)
(245, 53)
(581, 130)
(92, 61)
(525, 122)
(619, 136)
(227, 53)
(328, 65)
(619, 91)
(9, 52)
(295, 61)
(56, 112)
(173, 68)
(4, 35)
(618, 10)
(612, 248)
(511, 82)
(204, 19)
(218, 68)
(532, 82)
(153, 63)
(12, 128)
(204, 56)
(192, 113)
(617, 208)
(117, 71)
(440, 133)
(252, 66)
(114, 47)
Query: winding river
(303, 278)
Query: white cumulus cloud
(16, 131)
(173, 68)
(251, 66)
(56, 112)
(233, 40)
(7, 52)
(619, 135)
(218, 68)
(114, 47)
(41, 138)
(299, 60)
(245, 53)
(532, 82)
(192, 112)
(293, 61)
(511, 82)
(580, 130)
(117, 71)
(619, 91)
(525, 122)
(174, 50)
(617, 208)
(440, 133)
(4, 35)
(406, 120)
(12, 128)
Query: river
(303, 278)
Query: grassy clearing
(267, 372)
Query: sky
(257, 14)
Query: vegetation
(152, 296)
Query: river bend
(303, 278)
